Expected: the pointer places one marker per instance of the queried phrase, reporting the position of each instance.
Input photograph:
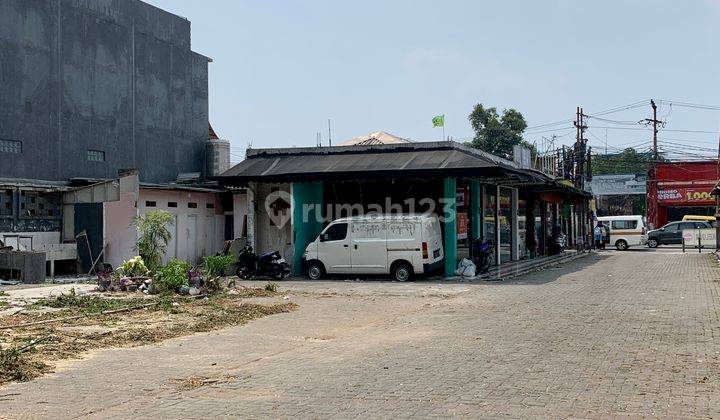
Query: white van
(399, 245)
(625, 231)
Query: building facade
(88, 88)
(104, 117)
(676, 189)
(292, 194)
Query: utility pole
(329, 134)
(654, 122)
(580, 148)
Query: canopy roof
(406, 160)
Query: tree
(497, 134)
(629, 161)
(153, 236)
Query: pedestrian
(598, 233)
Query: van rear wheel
(622, 245)
(402, 271)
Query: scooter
(271, 264)
(559, 241)
(483, 252)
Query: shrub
(215, 265)
(154, 236)
(174, 275)
(133, 267)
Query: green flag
(439, 121)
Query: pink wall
(119, 236)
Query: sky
(281, 69)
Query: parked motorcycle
(271, 264)
(483, 253)
(559, 241)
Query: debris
(9, 282)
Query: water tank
(217, 157)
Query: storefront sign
(681, 195)
(625, 184)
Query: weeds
(36, 347)
(15, 365)
(87, 304)
(271, 287)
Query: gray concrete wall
(110, 75)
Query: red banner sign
(682, 195)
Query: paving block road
(617, 333)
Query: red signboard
(685, 195)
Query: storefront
(676, 189)
(476, 195)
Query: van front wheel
(315, 270)
(402, 271)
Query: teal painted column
(307, 222)
(475, 209)
(450, 214)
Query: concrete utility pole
(580, 148)
(654, 122)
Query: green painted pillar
(450, 214)
(475, 209)
(307, 215)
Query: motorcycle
(270, 264)
(483, 252)
(559, 241)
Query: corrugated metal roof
(361, 161)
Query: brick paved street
(632, 333)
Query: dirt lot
(43, 326)
(618, 334)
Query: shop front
(678, 189)
(477, 196)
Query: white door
(369, 251)
(191, 238)
(334, 248)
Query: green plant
(271, 287)
(133, 267)
(215, 265)
(153, 236)
(173, 275)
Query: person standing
(598, 233)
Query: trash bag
(466, 268)
(469, 271)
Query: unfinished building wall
(88, 87)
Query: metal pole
(655, 130)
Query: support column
(475, 209)
(498, 259)
(450, 215)
(514, 227)
(250, 202)
(307, 203)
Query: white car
(399, 245)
